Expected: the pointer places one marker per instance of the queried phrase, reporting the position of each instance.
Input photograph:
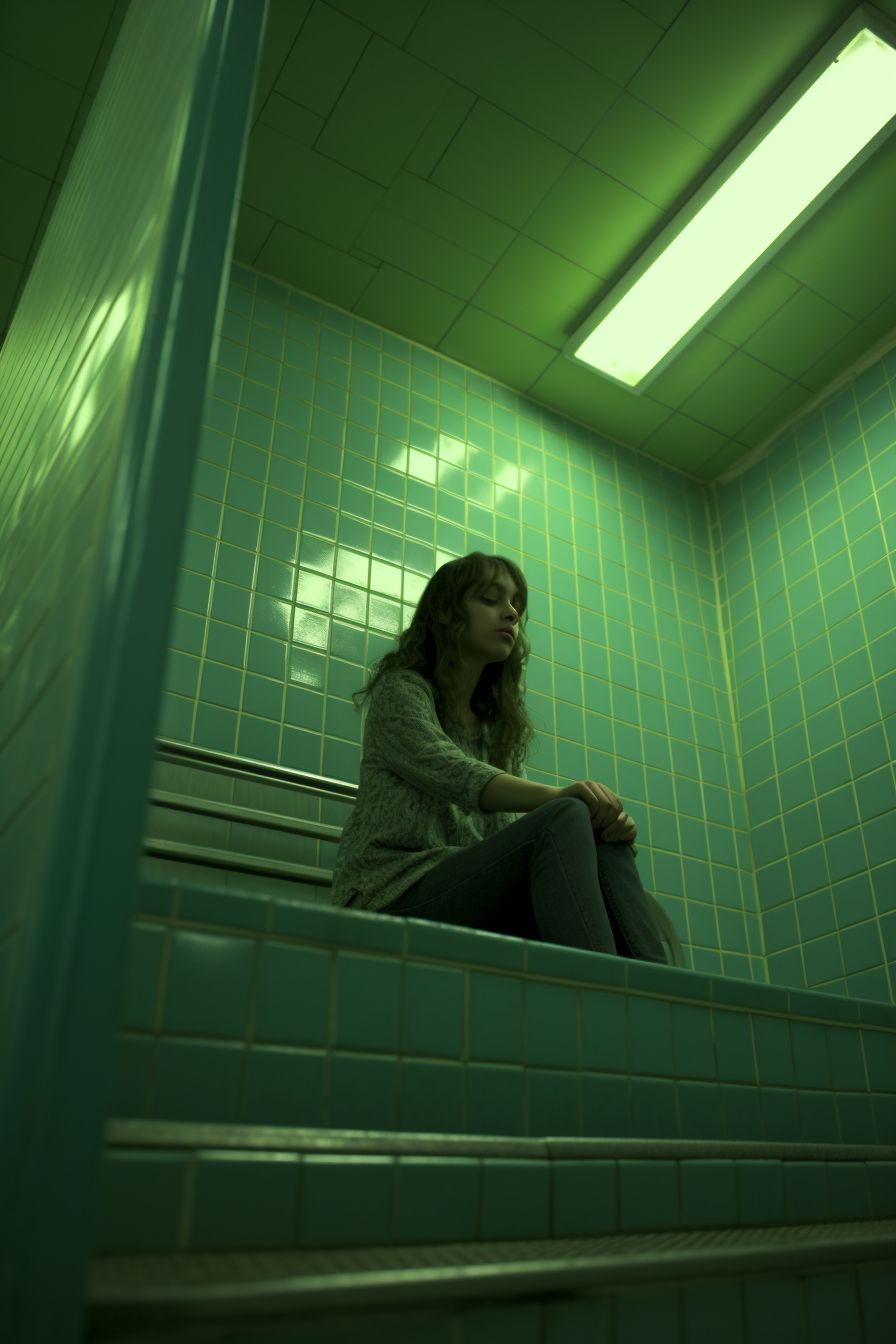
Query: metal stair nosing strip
(141, 1133)
(248, 816)
(242, 863)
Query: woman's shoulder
(400, 685)
(396, 675)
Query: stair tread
(185, 1284)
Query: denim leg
(536, 878)
(624, 897)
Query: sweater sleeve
(404, 732)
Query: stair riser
(162, 1201)
(271, 1029)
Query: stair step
(204, 1189)
(182, 1290)
(294, 1012)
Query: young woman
(446, 828)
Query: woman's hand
(623, 830)
(608, 821)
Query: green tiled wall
(74, 371)
(804, 543)
(725, 660)
(102, 377)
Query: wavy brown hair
(430, 646)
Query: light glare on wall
(746, 219)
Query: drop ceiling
(475, 175)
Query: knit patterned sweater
(418, 795)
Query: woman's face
(490, 613)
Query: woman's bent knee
(567, 810)
(576, 807)
(567, 802)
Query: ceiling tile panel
(404, 303)
(773, 414)
(381, 112)
(720, 59)
(415, 250)
(799, 333)
(436, 135)
(838, 252)
(61, 41)
(612, 37)
(689, 370)
(500, 165)
(487, 50)
(753, 305)
(18, 227)
(500, 349)
(393, 20)
(252, 231)
(883, 318)
(322, 59)
(35, 137)
(643, 151)
(592, 220)
(305, 189)
(734, 393)
(535, 290)
(839, 358)
(661, 12)
(448, 217)
(686, 442)
(313, 265)
(571, 389)
(283, 115)
(285, 20)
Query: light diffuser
(756, 207)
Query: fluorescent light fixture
(816, 134)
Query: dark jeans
(549, 877)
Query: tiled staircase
(342, 1126)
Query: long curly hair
(430, 646)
